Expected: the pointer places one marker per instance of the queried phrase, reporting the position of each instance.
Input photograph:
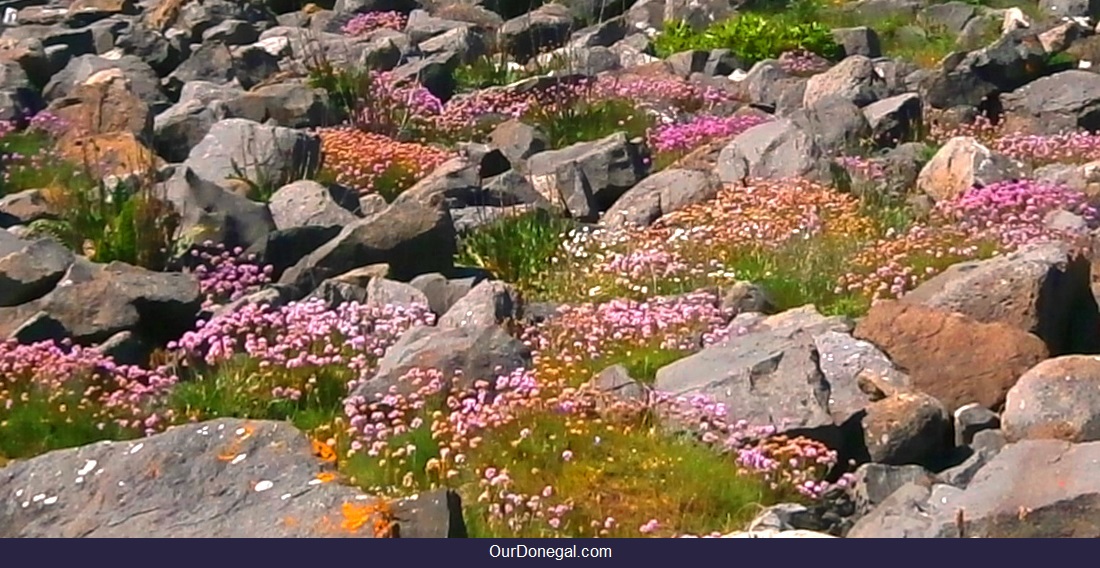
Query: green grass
(240, 389)
(121, 222)
(46, 421)
(37, 168)
(587, 119)
(518, 248)
(751, 36)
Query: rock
(1032, 488)
(231, 32)
(853, 79)
(1069, 100)
(906, 428)
(23, 207)
(875, 482)
(660, 194)
(971, 419)
(1056, 399)
(518, 141)
(546, 27)
(139, 77)
(614, 388)
(412, 238)
(457, 182)
(773, 150)
(860, 40)
(745, 297)
(30, 269)
(913, 511)
(444, 293)
(837, 125)
(462, 355)
(128, 489)
(182, 127)
(1012, 61)
(208, 212)
(842, 360)
(105, 103)
(768, 377)
(306, 202)
(92, 302)
(985, 445)
(895, 119)
(1070, 8)
(949, 356)
(588, 177)
(1043, 289)
(222, 64)
(489, 303)
(962, 163)
(119, 154)
(237, 148)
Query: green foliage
(46, 421)
(28, 163)
(751, 37)
(343, 86)
(517, 249)
(241, 389)
(112, 223)
(487, 71)
(587, 118)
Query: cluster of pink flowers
(302, 334)
(803, 62)
(700, 129)
(787, 464)
(1014, 212)
(1071, 147)
(362, 24)
(585, 332)
(81, 384)
(224, 275)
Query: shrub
(518, 248)
(750, 37)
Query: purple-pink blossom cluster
(1068, 147)
(225, 275)
(1014, 211)
(584, 333)
(81, 384)
(803, 62)
(362, 24)
(700, 129)
(306, 334)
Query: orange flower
(323, 451)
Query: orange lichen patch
(323, 451)
(290, 521)
(226, 456)
(326, 477)
(377, 514)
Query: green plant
(491, 70)
(751, 37)
(108, 223)
(586, 118)
(517, 249)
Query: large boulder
(950, 356)
(1069, 100)
(774, 150)
(660, 194)
(236, 148)
(411, 237)
(1057, 399)
(228, 478)
(962, 163)
(30, 269)
(588, 177)
(1043, 289)
(1031, 489)
(92, 302)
